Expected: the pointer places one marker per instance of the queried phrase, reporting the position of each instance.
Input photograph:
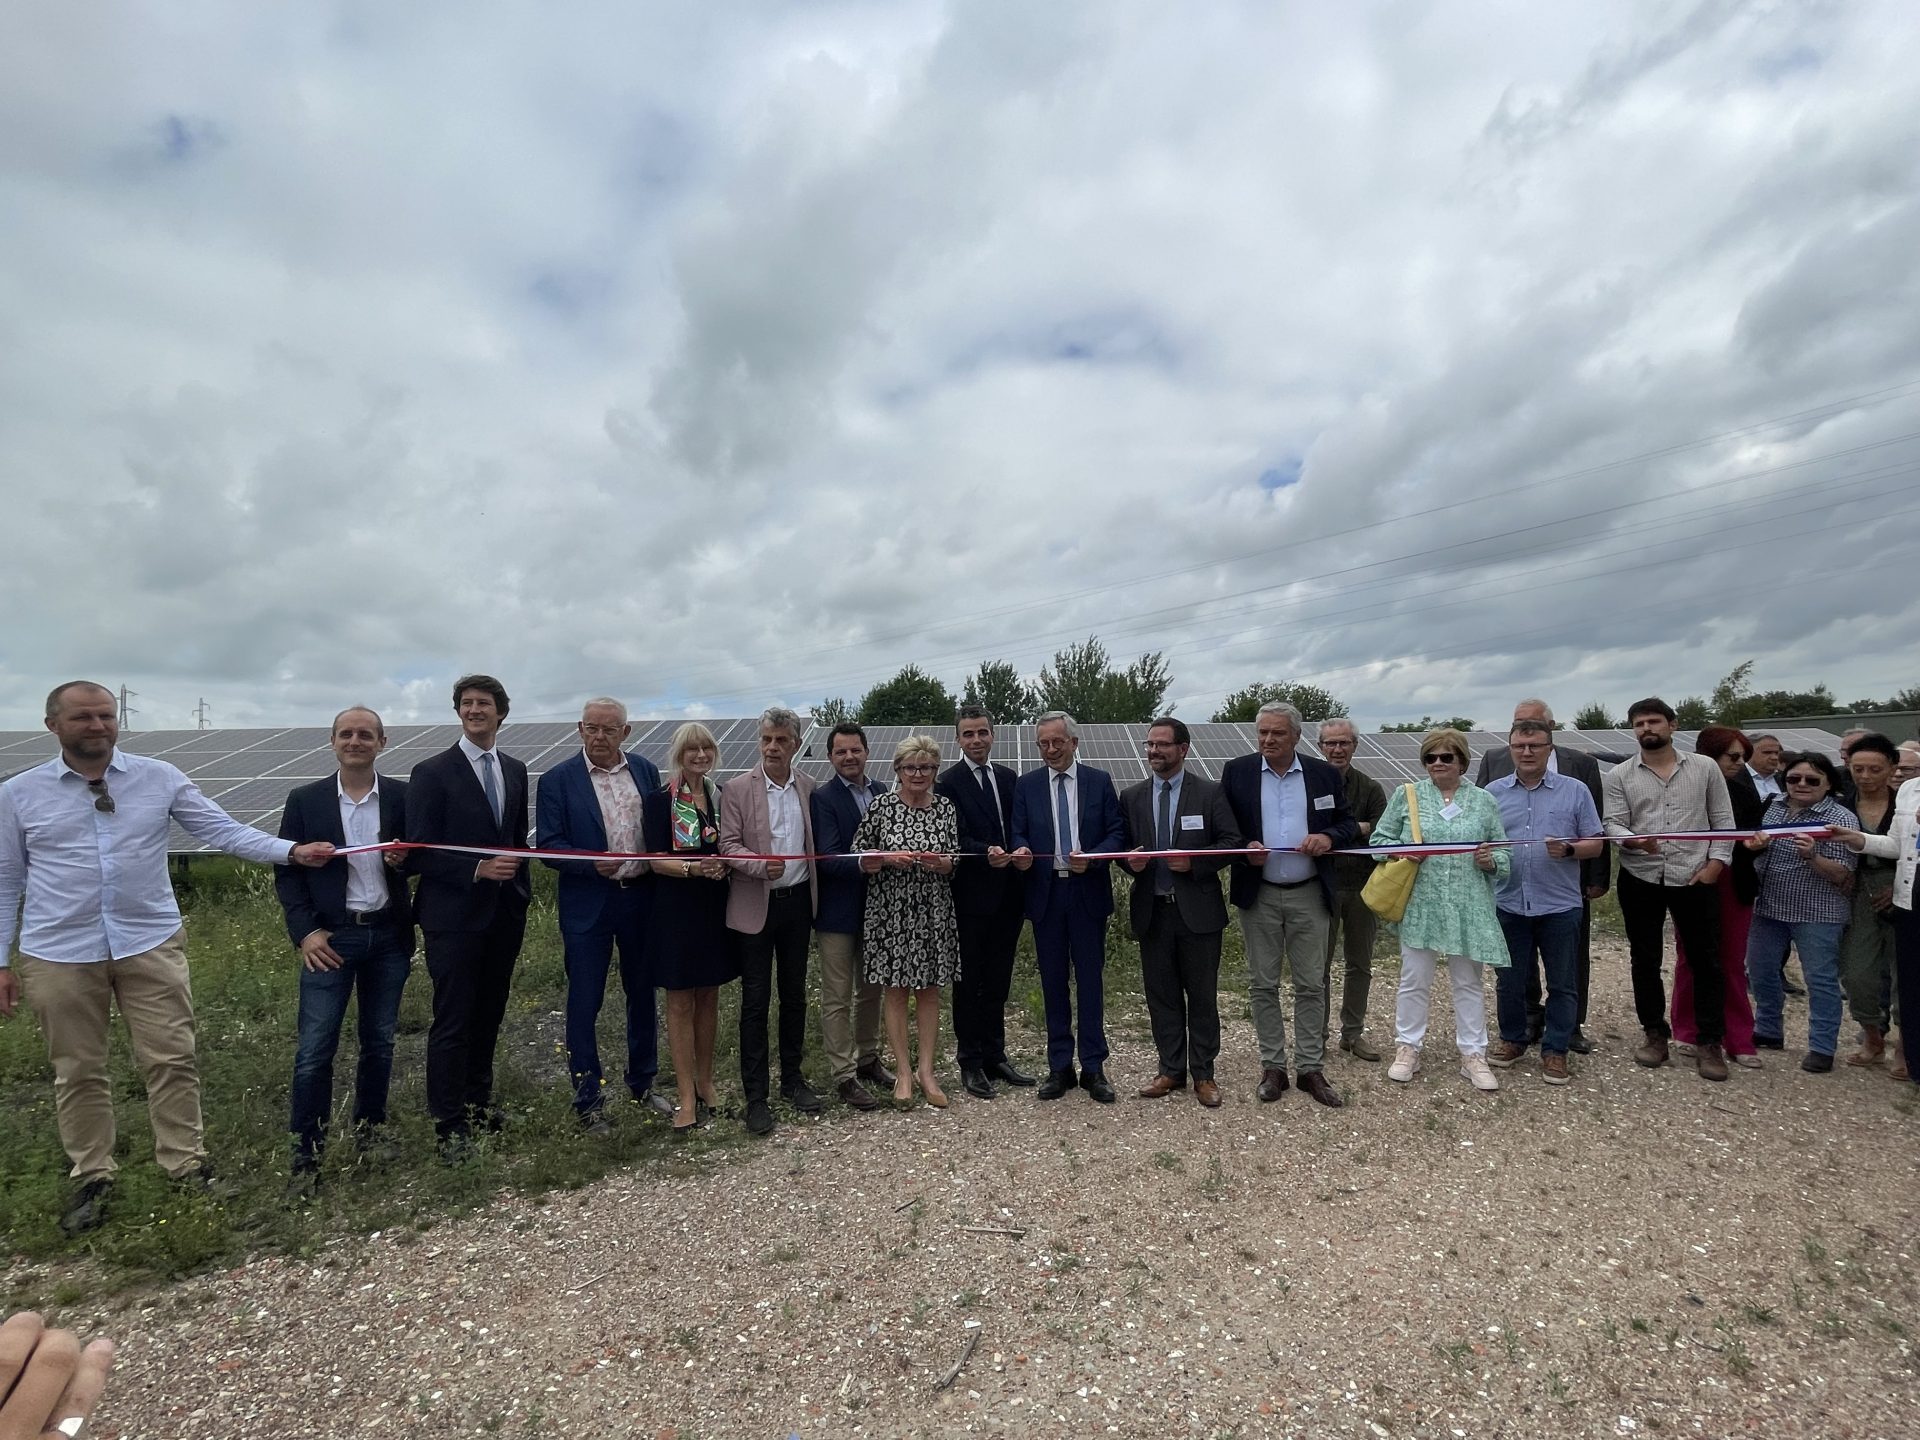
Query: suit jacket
(842, 890)
(1749, 806)
(1240, 778)
(978, 888)
(1196, 892)
(317, 899)
(1575, 766)
(566, 812)
(745, 827)
(1102, 827)
(445, 803)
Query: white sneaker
(1476, 1069)
(1406, 1063)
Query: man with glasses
(1659, 790)
(1061, 813)
(1292, 809)
(83, 875)
(1350, 919)
(1177, 912)
(591, 801)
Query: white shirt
(788, 830)
(1769, 786)
(1072, 840)
(95, 885)
(473, 753)
(366, 874)
(1901, 843)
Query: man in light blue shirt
(1554, 826)
(83, 843)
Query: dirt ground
(1639, 1253)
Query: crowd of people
(906, 894)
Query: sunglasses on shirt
(102, 801)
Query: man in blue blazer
(849, 1002)
(352, 922)
(1068, 896)
(1284, 801)
(591, 801)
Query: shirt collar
(340, 789)
(114, 762)
(592, 768)
(792, 777)
(1072, 772)
(472, 751)
(1296, 766)
(864, 785)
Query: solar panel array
(249, 772)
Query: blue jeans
(375, 961)
(1556, 939)
(589, 953)
(1819, 945)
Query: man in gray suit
(1177, 911)
(1596, 875)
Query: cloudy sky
(717, 355)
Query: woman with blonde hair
(690, 955)
(910, 939)
(1450, 915)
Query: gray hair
(1280, 707)
(1756, 739)
(606, 701)
(1530, 727)
(1333, 720)
(1073, 730)
(1546, 710)
(781, 718)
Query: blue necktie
(492, 786)
(1062, 824)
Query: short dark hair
(1652, 705)
(59, 693)
(1529, 727)
(1875, 743)
(1181, 735)
(847, 727)
(1818, 761)
(972, 712)
(481, 682)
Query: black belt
(370, 917)
(1166, 899)
(784, 891)
(1291, 884)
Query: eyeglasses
(601, 730)
(918, 769)
(1440, 757)
(102, 801)
(1806, 779)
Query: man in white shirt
(83, 873)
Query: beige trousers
(72, 1003)
(849, 1006)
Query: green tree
(1817, 701)
(1311, 701)
(998, 686)
(829, 713)
(912, 697)
(1692, 713)
(1426, 723)
(1082, 681)
(1734, 702)
(1594, 716)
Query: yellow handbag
(1390, 886)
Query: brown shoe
(1313, 1083)
(1553, 1068)
(852, 1092)
(1873, 1047)
(1710, 1061)
(1652, 1053)
(1207, 1093)
(1273, 1084)
(1160, 1087)
(1503, 1053)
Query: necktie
(491, 785)
(985, 777)
(1163, 840)
(1062, 824)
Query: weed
(1165, 1160)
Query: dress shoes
(800, 1095)
(1313, 1083)
(1207, 1093)
(759, 1118)
(1007, 1075)
(1579, 1044)
(1814, 1063)
(876, 1074)
(1057, 1083)
(852, 1092)
(976, 1083)
(1096, 1084)
(1160, 1087)
(89, 1208)
(1273, 1084)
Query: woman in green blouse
(1451, 912)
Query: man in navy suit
(591, 801)
(1296, 807)
(352, 922)
(1060, 814)
(989, 901)
(472, 911)
(849, 1002)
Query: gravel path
(1639, 1253)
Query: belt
(1291, 884)
(786, 891)
(1166, 899)
(370, 917)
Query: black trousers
(472, 972)
(778, 950)
(1536, 1007)
(1180, 972)
(1906, 976)
(988, 944)
(1695, 909)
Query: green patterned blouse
(1452, 906)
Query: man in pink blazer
(770, 905)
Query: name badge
(1323, 802)
(1450, 810)
(1193, 822)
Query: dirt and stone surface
(1638, 1254)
